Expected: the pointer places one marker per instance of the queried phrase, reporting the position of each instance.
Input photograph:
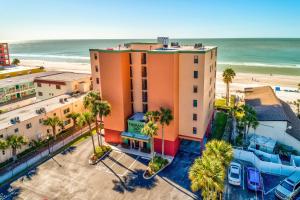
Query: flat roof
(266, 104)
(28, 112)
(23, 78)
(9, 69)
(64, 76)
(171, 49)
(138, 116)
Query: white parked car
(235, 174)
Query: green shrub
(157, 163)
(100, 151)
(219, 125)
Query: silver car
(289, 187)
(235, 174)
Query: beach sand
(241, 81)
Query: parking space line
(122, 155)
(130, 166)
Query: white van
(289, 187)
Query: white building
(276, 120)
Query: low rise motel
(140, 77)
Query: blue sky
(70, 19)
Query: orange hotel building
(140, 77)
(4, 54)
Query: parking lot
(119, 176)
(241, 192)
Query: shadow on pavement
(69, 150)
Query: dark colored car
(254, 179)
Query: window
(216, 52)
(195, 74)
(194, 130)
(144, 58)
(130, 58)
(195, 89)
(1, 136)
(95, 56)
(40, 94)
(144, 84)
(132, 108)
(144, 72)
(130, 71)
(16, 130)
(48, 130)
(3, 152)
(145, 96)
(195, 103)
(196, 60)
(54, 114)
(28, 126)
(210, 81)
(58, 87)
(96, 68)
(39, 84)
(145, 108)
(211, 54)
(97, 80)
(41, 120)
(66, 110)
(195, 117)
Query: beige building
(62, 83)
(67, 92)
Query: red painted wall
(171, 147)
(112, 136)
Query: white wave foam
(255, 64)
(50, 56)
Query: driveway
(119, 176)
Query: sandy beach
(241, 81)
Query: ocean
(259, 53)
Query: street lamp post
(48, 139)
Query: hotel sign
(135, 126)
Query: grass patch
(219, 125)
(100, 151)
(221, 103)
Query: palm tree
(208, 175)
(53, 122)
(228, 76)
(103, 109)
(87, 118)
(152, 116)
(74, 116)
(15, 61)
(15, 142)
(89, 103)
(221, 150)
(249, 119)
(165, 118)
(150, 129)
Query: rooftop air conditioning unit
(198, 45)
(13, 121)
(43, 110)
(163, 40)
(38, 111)
(65, 99)
(61, 100)
(17, 119)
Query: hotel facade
(4, 55)
(141, 77)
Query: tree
(89, 103)
(15, 61)
(208, 175)
(87, 118)
(15, 142)
(297, 104)
(3, 144)
(103, 109)
(53, 122)
(165, 118)
(228, 76)
(74, 116)
(221, 150)
(152, 116)
(208, 172)
(150, 129)
(249, 120)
